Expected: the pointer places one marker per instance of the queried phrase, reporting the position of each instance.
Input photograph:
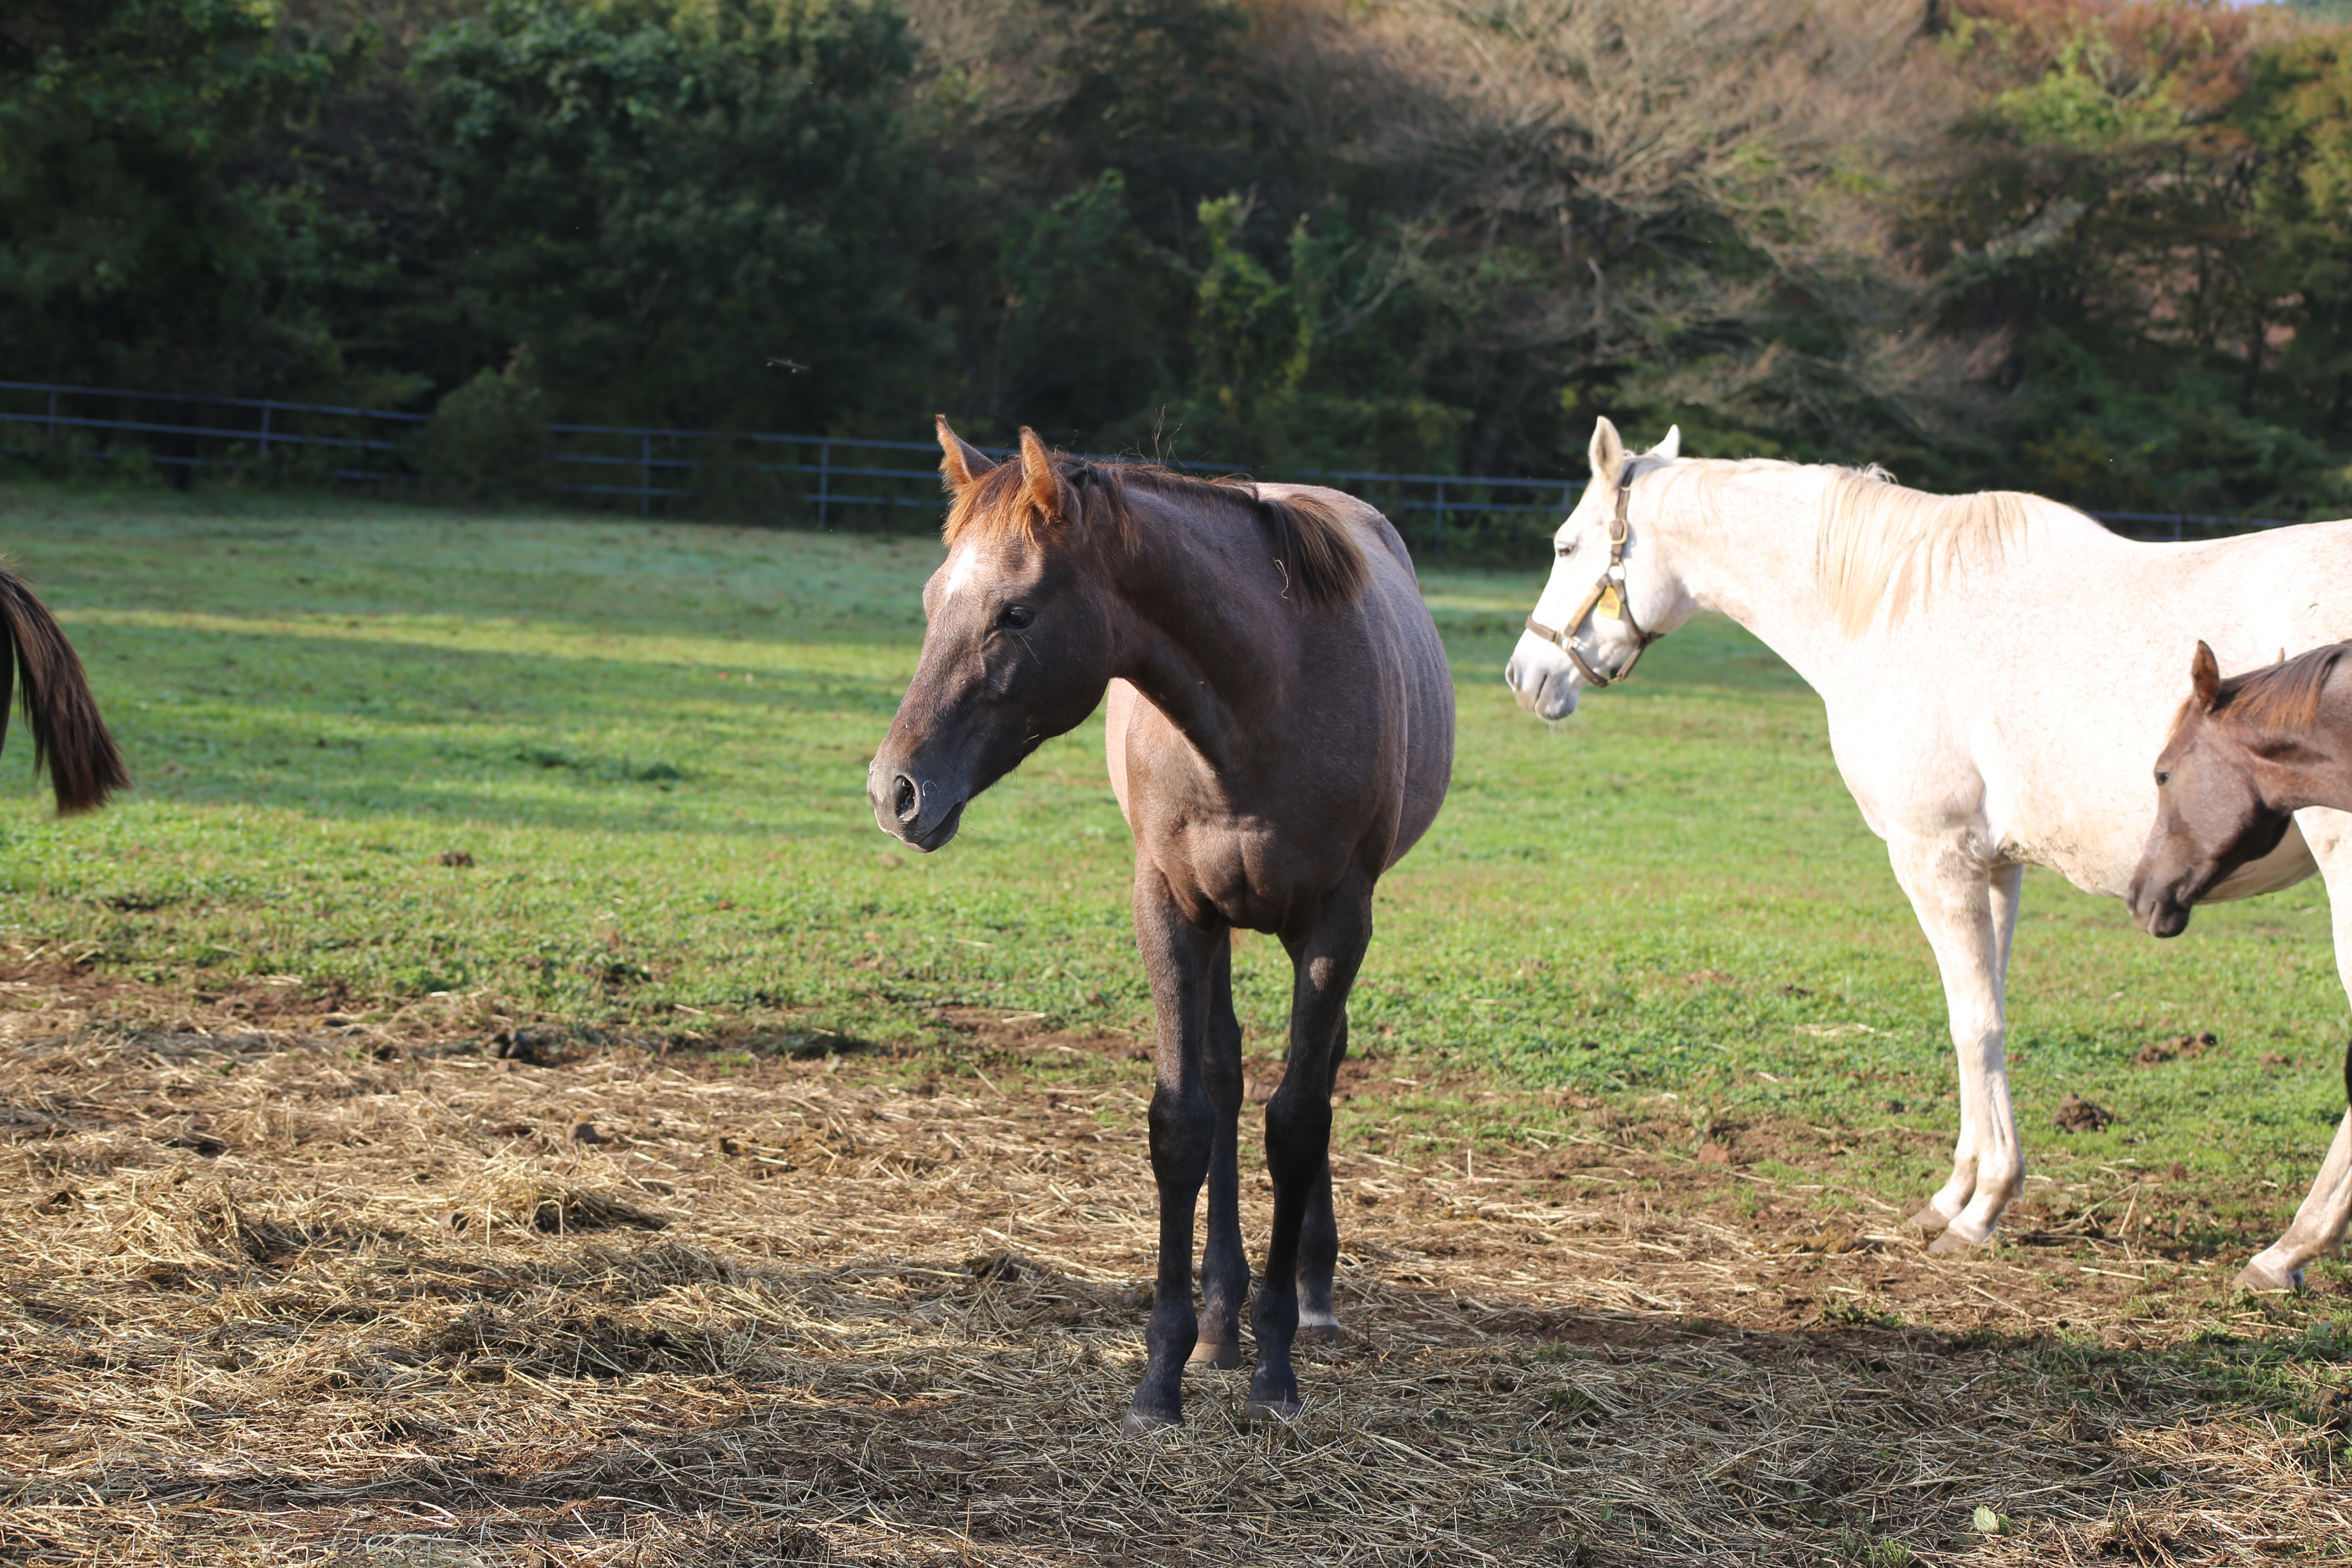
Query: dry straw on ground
(366, 1295)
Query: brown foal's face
(2210, 820)
(1017, 651)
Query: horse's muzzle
(922, 813)
(1541, 681)
(2158, 912)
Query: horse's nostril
(905, 798)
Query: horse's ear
(961, 462)
(1040, 487)
(1672, 447)
(2204, 677)
(1607, 452)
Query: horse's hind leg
(1299, 1128)
(1968, 912)
(2319, 1225)
(1225, 1263)
(1318, 1234)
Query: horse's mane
(2279, 701)
(1321, 560)
(1883, 545)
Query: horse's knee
(1183, 1124)
(1297, 1135)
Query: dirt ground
(438, 1287)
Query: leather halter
(1608, 595)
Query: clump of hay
(526, 1202)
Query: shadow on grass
(352, 728)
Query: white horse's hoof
(1956, 1240)
(2261, 1276)
(1930, 1220)
(1221, 1354)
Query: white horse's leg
(2318, 1225)
(1969, 911)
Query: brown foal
(1281, 732)
(2244, 755)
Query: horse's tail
(69, 736)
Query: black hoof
(1272, 1397)
(1139, 1421)
(1317, 1334)
(1224, 1355)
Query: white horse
(2000, 673)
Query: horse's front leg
(1968, 912)
(1325, 958)
(1224, 1262)
(2319, 1225)
(1178, 956)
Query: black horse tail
(69, 736)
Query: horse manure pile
(327, 1294)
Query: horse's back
(1398, 622)
(1402, 691)
(2059, 739)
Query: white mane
(1883, 545)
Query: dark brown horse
(1281, 732)
(68, 737)
(2244, 755)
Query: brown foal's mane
(1322, 562)
(2279, 702)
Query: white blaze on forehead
(961, 567)
(1570, 577)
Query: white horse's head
(1608, 596)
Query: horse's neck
(1744, 546)
(1213, 647)
(2320, 773)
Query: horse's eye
(1565, 550)
(1015, 616)
(2163, 777)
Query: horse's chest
(1245, 872)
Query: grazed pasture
(493, 1096)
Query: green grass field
(650, 739)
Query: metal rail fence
(819, 480)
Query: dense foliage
(2095, 248)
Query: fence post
(1437, 545)
(645, 475)
(824, 483)
(53, 416)
(265, 412)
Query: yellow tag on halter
(1610, 606)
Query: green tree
(2297, 112)
(141, 238)
(488, 440)
(697, 212)
(2104, 215)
